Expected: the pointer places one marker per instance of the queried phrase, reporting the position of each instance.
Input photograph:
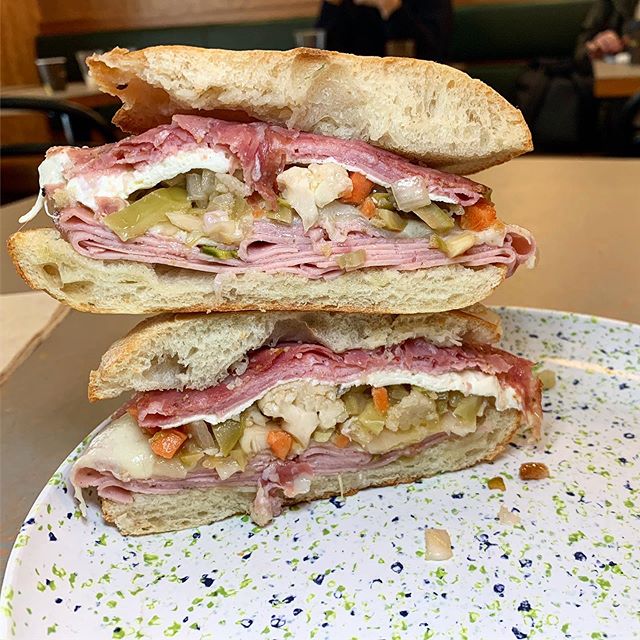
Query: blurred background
(570, 65)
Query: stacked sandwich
(311, 196)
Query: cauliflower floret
(295, 187)
(254, 439)
(330, 182)
(413, 410)
(307, 188)
(304, 407)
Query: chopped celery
(467, 409)
(353, 260)
(371, 419)
(284, 213)
(185, 221)
(355, 400)
(137, 218)
(177, 181)
(435, 217)
(221, 254)
(223, 202)
(241, 207)
(322, 435)
(240, 457)
(397, 392)
(383, 200)
(225, 467)
(190, 460)
(227, 435)
(411, 193)
(454, 245)
(387, 219)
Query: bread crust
(423, 110)
(47, 262)
(153, 514)
(195, 351)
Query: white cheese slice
(85, 189)
(123, 448)
(467, 382)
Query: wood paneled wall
(67, 16)
(85, 16)
(19, 24)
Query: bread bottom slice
(195, 507)
(48, 262)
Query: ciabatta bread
(421, 110)
(195, 351)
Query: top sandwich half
(267, 180)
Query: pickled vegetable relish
(216, 211)
(294, 416)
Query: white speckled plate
(356, 569)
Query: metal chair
(77, 123)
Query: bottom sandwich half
(249, 413)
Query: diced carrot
(258, 212)
(133, 412)
(368, 208)
(340, 440)
(166, 442)
(380, 399)
(361, 187)
(478, 216)
(279, 442)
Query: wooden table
(615, 80)
(584, 212)
(76, 92)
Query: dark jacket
(603, 15)
(360, 29)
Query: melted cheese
(468, 382)
(121, 184)
(123, 448)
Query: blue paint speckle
(206, 580)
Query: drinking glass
(53, 73)
(311, 38)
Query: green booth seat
(492, 42)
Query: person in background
(369, 27)
(602, 30)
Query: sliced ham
(274, 248)
(268, 367)
(263, 151)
